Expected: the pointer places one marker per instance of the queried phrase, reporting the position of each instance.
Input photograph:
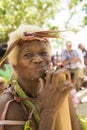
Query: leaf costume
(21, 96)
(6, 73)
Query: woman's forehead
(33, 44)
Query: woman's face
(33, 60)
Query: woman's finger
(49, 77)
(65, 86)
(41, 85)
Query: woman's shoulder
(9, 104)
(4, 98)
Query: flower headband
(41, 35)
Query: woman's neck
(30, 87)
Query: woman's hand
(54, 89)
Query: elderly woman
(35, 93)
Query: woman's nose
(37, 58)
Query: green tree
(16, 12)
(38, 12)
(79, 8)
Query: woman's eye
(43, 53)
(28, 55)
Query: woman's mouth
(41, 72)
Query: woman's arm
(48, 119)
(52, 97)
(74, 118)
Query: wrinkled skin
(37, 80)
(54, 85)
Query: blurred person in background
(84, 52)
(55, 61)
(71, 60)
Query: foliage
(81, 12)
(16, 12)
(83, 122)
(6, 73)
(27, 102)
(85, 18)
(38, 12)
